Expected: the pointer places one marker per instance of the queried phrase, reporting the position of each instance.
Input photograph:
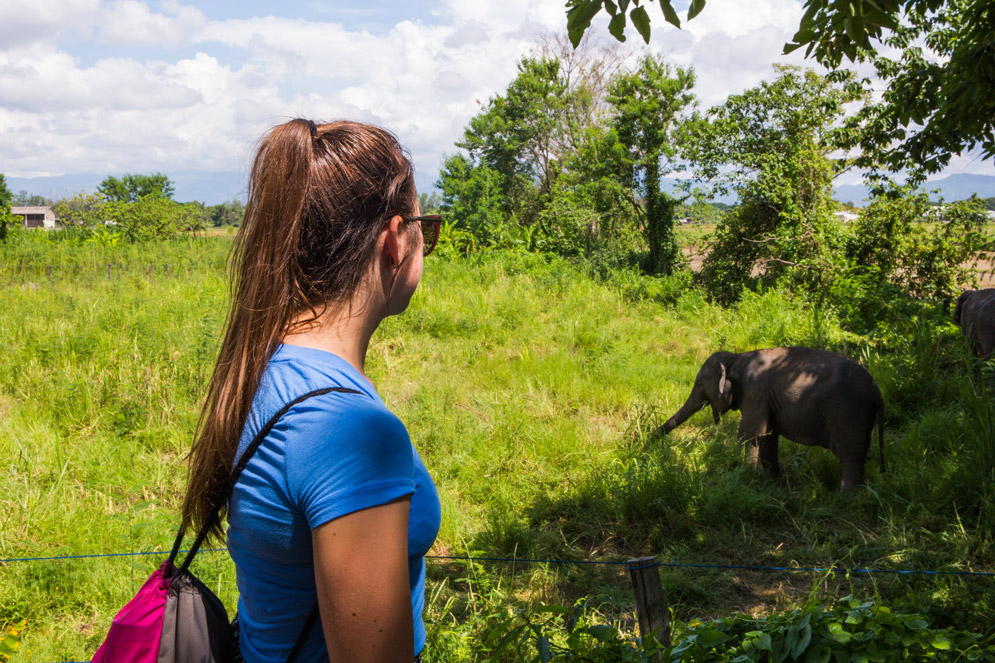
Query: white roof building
(36, 217)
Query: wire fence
(530, 560)
(628, 564)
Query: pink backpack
(174, 617)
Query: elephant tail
(881, 436)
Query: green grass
(532, 391)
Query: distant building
(846, 217)
(36, 217)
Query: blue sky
(114, 86)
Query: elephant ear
(723, 382)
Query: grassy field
(532, 390)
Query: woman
(335, 508)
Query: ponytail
(318, 198)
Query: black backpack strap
(221, 497)
(303, 636)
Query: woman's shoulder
(350, 416)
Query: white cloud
(125, 85)
(38, 78)
(45, 20)
(132, 23)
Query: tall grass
(532, 388)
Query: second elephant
(809, 396)
(975, 313)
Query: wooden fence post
(651, 600)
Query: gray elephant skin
(812, 397)
(975, 313)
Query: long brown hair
(318, 197)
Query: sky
(116, 86)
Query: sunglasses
(430, 225)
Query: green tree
(572, 154)
(772, 145)
(7, 219)
(515, 136)
(131, 187)
(226, 214)
(939, 98)
(429, 203)
(86, 210)
(151, 217)
(24, 199)
(892, 252)
(647, 105)
(472, 197)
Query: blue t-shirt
(328, 456)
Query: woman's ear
(394, 242)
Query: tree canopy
(940, 90)
(571, 156)
(131, 187)
(6, 218)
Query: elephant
(810, 396)
(975, 313)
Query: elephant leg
(754, 435)
(852, 454)
(852, 467)
(767, 448)
(853, 476)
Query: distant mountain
(209, 187)
(951, 188)
(214, 187)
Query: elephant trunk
(694, 403)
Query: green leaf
(762, 642)
(838, 634)
(916, 624)
(579, 19)
(617, 26)
(611, 7)
(669, 14)
(880, 19)
(581, 14)
(508, 637)
(542, 647)
(941, 642)
(713, 637)
(558, 609)
(602, 632)
(641, 20)
(805, 637)
(695, 9)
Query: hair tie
(314, 129)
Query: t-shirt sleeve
(347, 459)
